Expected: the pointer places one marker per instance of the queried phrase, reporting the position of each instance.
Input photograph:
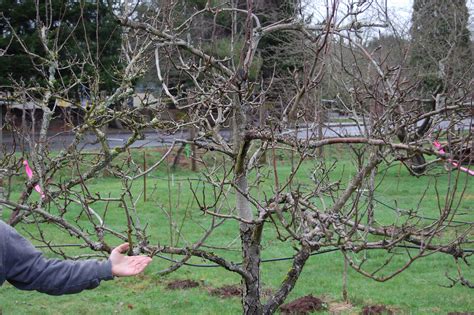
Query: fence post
(144, 176)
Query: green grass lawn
(418, 290)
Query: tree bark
(250, 237)
(290, 280)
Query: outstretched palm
(124, 266)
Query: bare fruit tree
(206, 58)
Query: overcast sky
(399, 10)
(404, 7)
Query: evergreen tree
(441, 50)
(88, 36)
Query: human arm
(26, 268)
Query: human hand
(124, 266)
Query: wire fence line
(329, 250)
(326, 251)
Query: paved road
(156, 139)
(115, 138)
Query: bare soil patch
(340, 307)
(376, 310)
(182, 284)
(227, 291)
(303, 305)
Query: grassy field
(419, 290)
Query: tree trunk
(251, 263)
(250, 235)
(290, 280)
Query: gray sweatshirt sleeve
(26, 268)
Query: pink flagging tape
(29, 172)
(455, 164)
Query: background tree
(85, 28)
(441, 54)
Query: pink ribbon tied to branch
(29, 172)
(454, 163)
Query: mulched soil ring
(182, 284)
(303, 305)
(376, 310)
(227, 291)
